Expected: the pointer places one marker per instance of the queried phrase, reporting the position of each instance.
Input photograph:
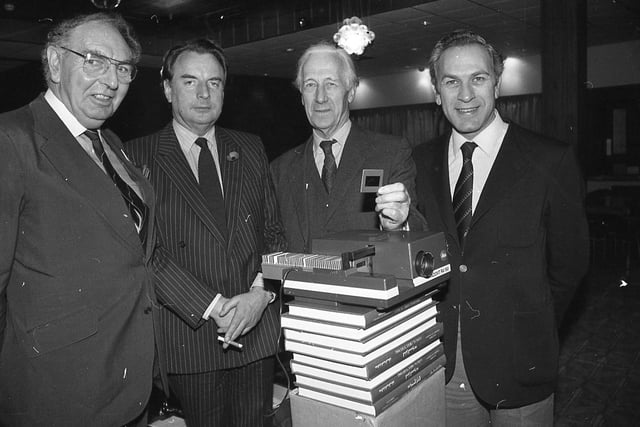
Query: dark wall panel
(265, 106)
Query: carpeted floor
(600, 353)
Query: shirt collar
(340, 135)
(489, 140)
(65, 115)
(186, 138)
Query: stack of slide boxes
(358, 357)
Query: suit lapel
(144, 185)
(80, 172)
(302, 169)
(232, 176)
(439, 176)
(443, 187)
(507, 170)
(171, 160)
(354, 156)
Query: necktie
(462, 195)
(134, 203)
(329, 168)
(210, 183)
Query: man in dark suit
(76, 327)
(511, 205)
(216, 216)
(320, 193)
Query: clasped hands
(237, 315)
(392, 205)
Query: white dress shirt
(77, 130)
(489, 142)
(191, 150)
(340, 136)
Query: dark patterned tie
(462, 196)
(329, 168)
(134, 203)
(210, 184)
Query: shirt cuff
(207, 312)
(258, 282)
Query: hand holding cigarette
(233, 343)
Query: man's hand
(246, 310)
(223, 322)
(392, 204)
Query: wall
(265, 106)
(271, 107)
(614, 64)
(608, 65)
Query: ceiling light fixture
(106, 4)
(353, 36)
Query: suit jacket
(525, 254)
(349, 209)
(194, 261)
(75, 297)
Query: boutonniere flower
(233, 156)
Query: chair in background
(614, 223)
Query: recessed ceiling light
(289, 49)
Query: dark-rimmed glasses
(95, 65)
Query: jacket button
(463, 268)
(147, 310)
(181, 244)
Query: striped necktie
(462, 195)
(136, 206)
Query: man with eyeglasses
(76, 304)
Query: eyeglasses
(95, 65)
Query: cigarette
(233, 343)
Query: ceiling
(267, 37)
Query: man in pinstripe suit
(210, 252)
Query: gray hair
(348, 67)
(59, 35)
(463, 38)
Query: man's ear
(496, 89)
(351, 95)
(438, 99)
(54, 62)
(166, 86)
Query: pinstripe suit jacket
(194, 261)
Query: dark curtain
(420, 123)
